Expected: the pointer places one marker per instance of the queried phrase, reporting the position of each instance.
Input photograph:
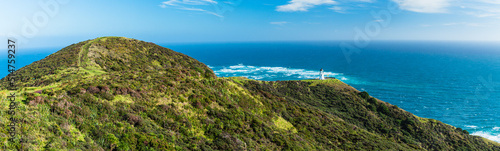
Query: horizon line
(277, 41)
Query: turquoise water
(454, 82)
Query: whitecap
(487, 135)
(237, 66)
(496, 128)
(230, 71)
(471, 126)
(256, 77)
(268, 72)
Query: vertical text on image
(11, 78)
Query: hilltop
(115, 93)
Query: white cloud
(192, 9)
(482, 14)
(491, 1)
(424, 6)
(338, 9)
(213, 13)
(481, 8)
(477, 8)
(191, 5)
(189, 2)
(279, 23)
(368, 1)
(302, 5)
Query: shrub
(112, 140)
(372, 100)
(83, 91)
(93, 89)
(104, 88)
(30, 96)
(134, 119)
(36, 101)
(364, 95)
(49, 92)
(372, 107)
(74, 90)
(408, 124)
(461, 130)
(382, 108)
(107, 96)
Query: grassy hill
(115, 93)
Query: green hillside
(115, 93)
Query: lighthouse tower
(321, 74)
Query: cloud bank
(424, 6)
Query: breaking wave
(488, 135)
(272, 73)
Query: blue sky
(57, 23)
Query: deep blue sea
(457, 83)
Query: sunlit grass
(283, 124)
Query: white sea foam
(487, 135)
(256, 77)
(262, 72)
(230, 71)
(237, 66)
(471, 126)
(496, 128)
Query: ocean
(457, 83)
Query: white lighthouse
(321, 74)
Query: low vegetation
(115, 93)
